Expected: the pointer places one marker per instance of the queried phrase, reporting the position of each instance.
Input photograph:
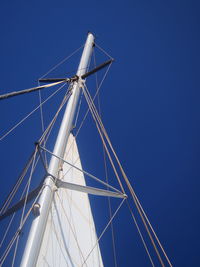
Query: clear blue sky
(150, 104)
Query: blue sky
(150, 104)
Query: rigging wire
(29, 114)
(97, 120)
(106, 171)
(100, 48)
(87, 112)
(90, 104)
(151, 227)
(86, 173)
(102, 129)
(104, 230)
(61, 62)
(93, 100)
(110, 205)
(2, 259)
(136, 201)
(25, 202)
(140, 233)
(48, 130)
(55, 81)
(41, 109)
(7, 229)
(30, 90)
(5, 208)
(49, 71)
(16, 186)
(53, 93)
(110, 212)
(11, 220)
(22, 176)
(78, 111)
(25, 169)
(50, 126)
(42, 117)
(5, 234)
(97, 91)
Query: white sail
(70, 235)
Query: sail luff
(36, 233)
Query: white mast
(36, 233)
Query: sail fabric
(70, 235)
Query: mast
(36, 233)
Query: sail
(70, 238)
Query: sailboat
(63, 229)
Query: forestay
(70, 234)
